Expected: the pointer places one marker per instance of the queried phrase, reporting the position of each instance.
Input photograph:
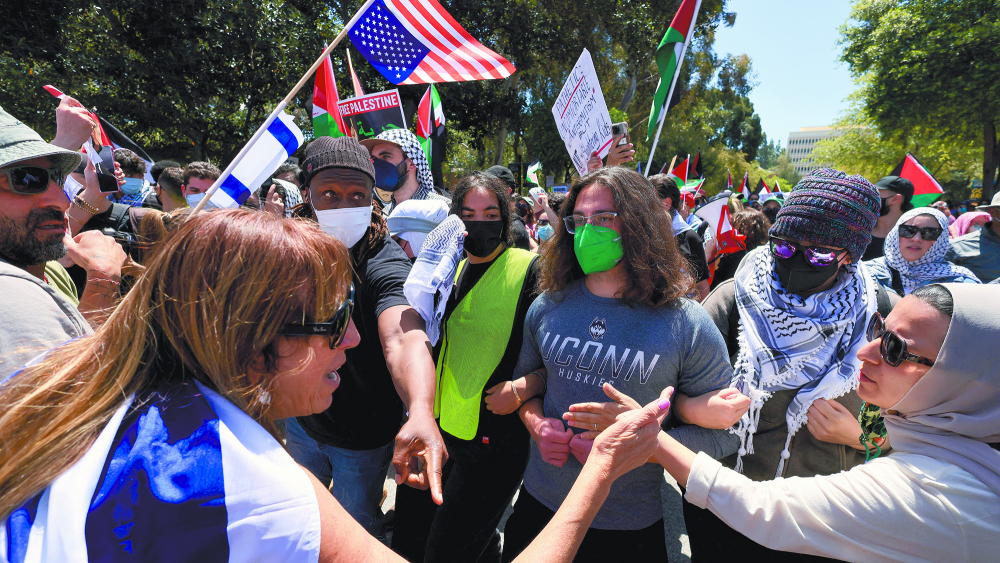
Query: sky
(793, 46)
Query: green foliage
(192, 79)
(863, 149)
(929, 68)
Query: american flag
(418, 42)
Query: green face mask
(597, 251)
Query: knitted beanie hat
(830, 208)
(340, 152)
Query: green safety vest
(474, 340)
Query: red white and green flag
(680, 172)
(327, 121)
(926, 189)
(669, 55)
(430, 120)
(729, 180)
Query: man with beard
(36, 311)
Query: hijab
(929, 268)
(953, 412)
(963, 224)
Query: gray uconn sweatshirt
(584, 340)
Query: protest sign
(367, 116)
(582, 115)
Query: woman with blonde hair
(155, 436)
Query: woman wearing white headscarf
(914, 254)
(937, 496)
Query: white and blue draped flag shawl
(178, 474)
(281, 139)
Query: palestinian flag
(761, 188)
(327, 121)
(926, 189)
(696, 170)
(729, 180)
(669, 55)
(430, 116)
(680, 172)
(532, 175)
(716, 212)
(744, 188)
(777, 187)
(430, 121)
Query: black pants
(479, 482)
(712, 540)
(599, 546)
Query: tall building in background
(801, 144)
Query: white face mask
(347, 225)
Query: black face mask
(483, 238)
(797, 275)
(388, 176)
(885, 207)
(771, 213)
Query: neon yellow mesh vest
(474, 340)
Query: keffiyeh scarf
(411, 146)
(432, 277)
(790, 342)
(929, 268)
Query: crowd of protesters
(237, 384)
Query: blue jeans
(355, 477)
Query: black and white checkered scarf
(790, 342)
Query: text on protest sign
(372, 114)
(581, 114)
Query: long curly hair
(657, 274)
(208, 308)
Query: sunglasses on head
(336, 329)
(32, 180)
(816, 255)
(893, 347)
(926, 233)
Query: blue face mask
(545, 232)
(132, 186)
(388, 176)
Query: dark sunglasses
(816, 255)
(893, 348)
(32, 180)
(335, 329)
(926, 233)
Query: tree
(769, 152)
(862, 149)
(195, 84)
(930, 64)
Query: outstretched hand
(419, 456)
(596, 417)
(629, 442)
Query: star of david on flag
(418, 42)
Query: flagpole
(278, 109)
(673, 83)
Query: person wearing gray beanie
(794, 318)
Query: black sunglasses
(32, 180)
(335, 329)
(893, 348)
(926, 233)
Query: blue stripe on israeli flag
(281, 139)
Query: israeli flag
(178, 474)
(281, 139)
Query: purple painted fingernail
(664, 404)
